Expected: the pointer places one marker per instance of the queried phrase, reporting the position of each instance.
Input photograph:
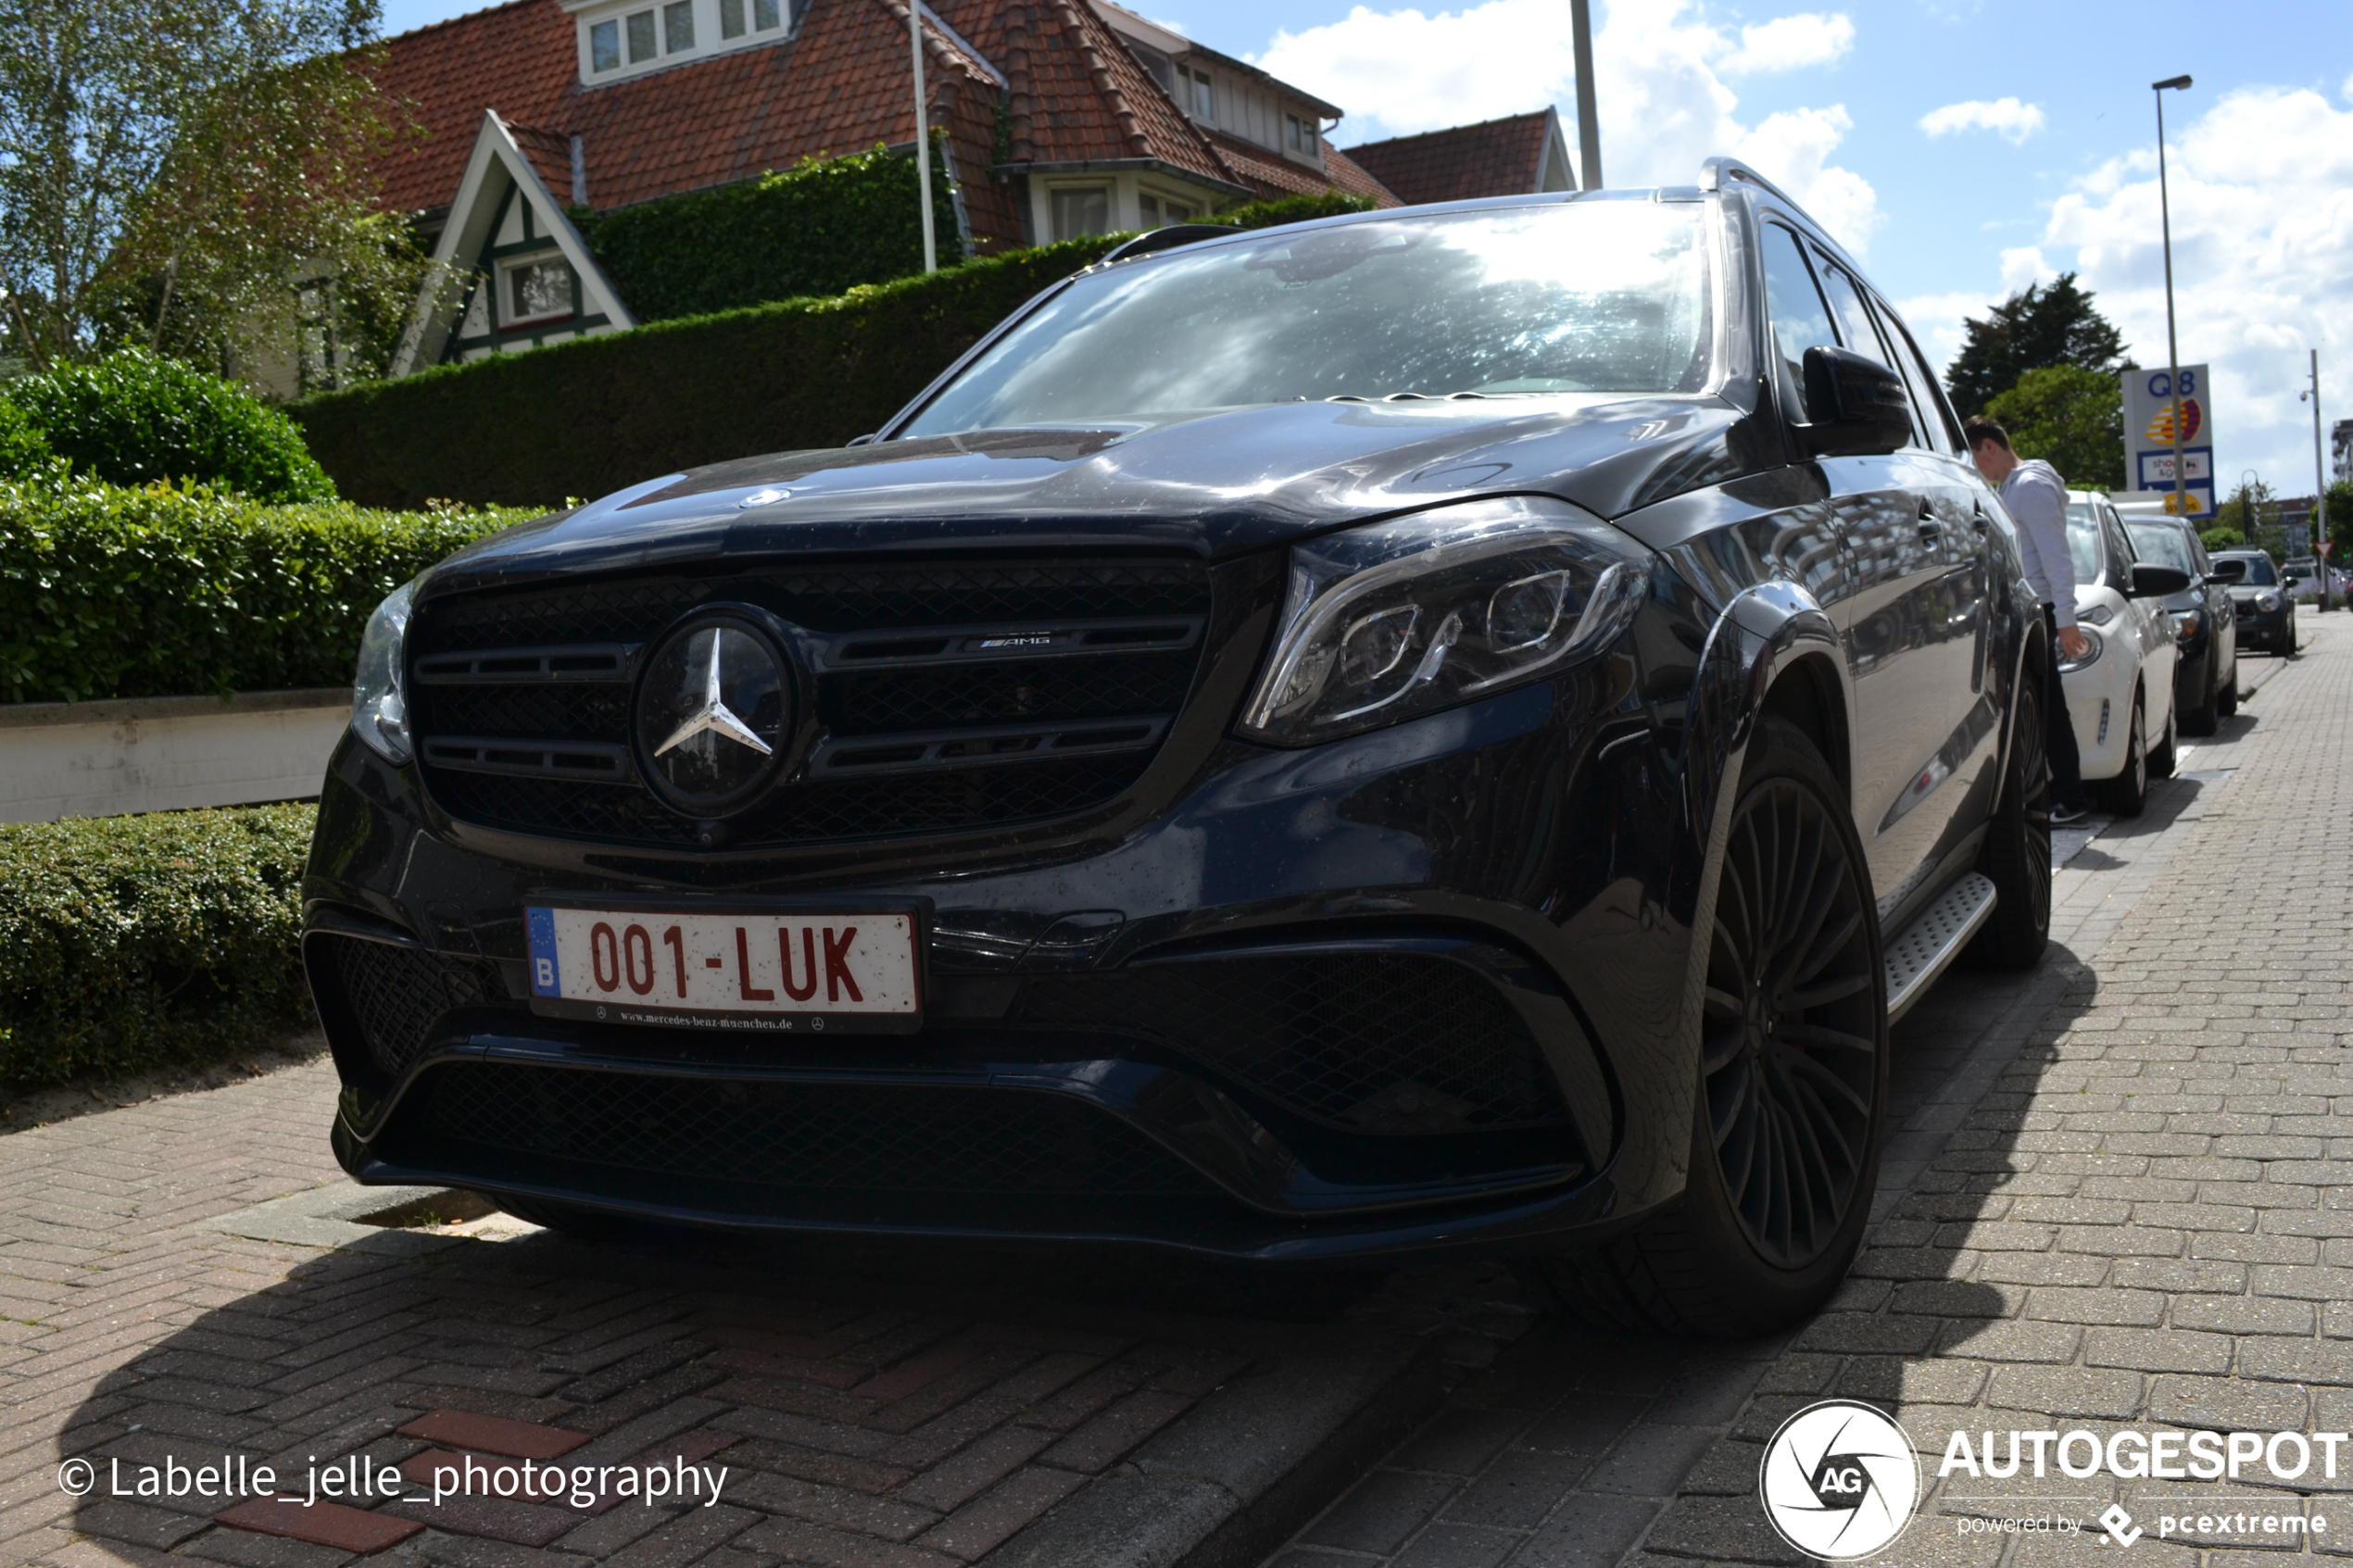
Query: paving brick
(1381, 1510)
(493, 1435)
(324, 1524)
(982, 1525)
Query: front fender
(1761, 637)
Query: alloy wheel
(1791, 1061)
(2034, 778)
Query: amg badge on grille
(713, 708)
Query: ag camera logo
(1840, 1480)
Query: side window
(2119, 545)
(1926, 415)
(1926, 392)
(1862, 333)
(1846, 304)
(1800, 319)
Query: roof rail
(1717, 171)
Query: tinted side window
(1862, 333)
(1935, 415)
(1800, 319)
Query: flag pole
(923, 136)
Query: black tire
(1792, 1100)
(2289, 643)
(2226, 695)
(2202, 718)
(2163, 755)
(2127, 794)
(2017, 857)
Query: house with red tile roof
(1060, 118)
(1520, 155)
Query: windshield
(1585, 296)
(2258, 572)
(2163, 545)
(2084, 541)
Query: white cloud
(2263, 204)
(1808, 38)
(2005, 117)
(2022, 265)
(1663, 102)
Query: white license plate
(801, 971)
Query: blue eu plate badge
(546, 978)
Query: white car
(2121, 694)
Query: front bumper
(1129, 1038)
(2263, 628)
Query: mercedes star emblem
(713, 714)
(714, 711)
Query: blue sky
(2043, 160)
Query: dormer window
(536, 291)
(621, 43)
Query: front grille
(833, 1137)
(394, 996)
(521, 699)
(1364, 1043)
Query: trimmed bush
(589, 416)
(1293, 209)
(586, 417)
(23, 449)
(818, 229)
(107, 592)
(128, 942)
(133, 419)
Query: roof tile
(1496, 158)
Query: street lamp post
(2172, 349)
(2320, 483)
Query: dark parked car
(1440, 729)
(2266, 611)
(2206, 675)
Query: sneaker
(2064, 815)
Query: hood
(1215, 487)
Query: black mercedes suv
(1442, 728)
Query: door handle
(1930, 527)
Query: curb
(1248, 1467)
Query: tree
(161, 175)
(2253, 512)
(2070, 417)
(2033, 330)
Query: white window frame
(502, 306)
(706, 21)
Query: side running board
(1921, 951)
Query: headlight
(2189, 621)
(379, 713)
(2091, 655)
(1404, 618)
(2267, 601)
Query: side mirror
(1854, 405)
(2156, 582)
(2227, 571)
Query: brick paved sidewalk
(2117, 1190)
(873, 1409)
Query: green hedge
(818, 229)
(133, 419)
(587, 417)
(157, 591)
(590, 415)
(126, 942)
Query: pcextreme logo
(1840, 1480)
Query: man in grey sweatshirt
(2035, 497)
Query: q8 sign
(2148, 436)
